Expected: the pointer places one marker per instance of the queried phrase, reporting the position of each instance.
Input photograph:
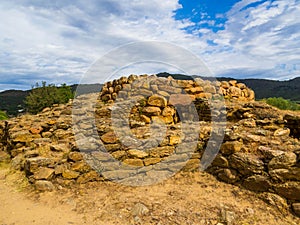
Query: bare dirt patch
(186, 198)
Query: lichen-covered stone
(246, 164)
(134, 162)
(151, 161)
(283, 161)
(292, 173)
(75, 156)
(87, 177)
(152, 110)
(109, 138)
(161, 151)
(168, 111)
(70, 174)
(231, 147)
(22, 136)
(81, 167)
(158, 101)
(33, 164)
(44, 185)
(43, 173)
(118, 154)
(175, 140)
(137, 153)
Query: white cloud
(57, 41)
(258, 38)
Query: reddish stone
(180, 99)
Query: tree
(3, 115)
(282, 103)
(42, 96)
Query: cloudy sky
(59, 40)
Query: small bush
(44, 96)
(3, 115)
(282, 103)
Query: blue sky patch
(205, 13)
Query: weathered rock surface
(283, 161)
(257, 183)
(43, 185)
(296, 208)
(275, 200)
(289, 190)
(246, 164)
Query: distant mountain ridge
(289, 89)
(13, 100)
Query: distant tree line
(42, 96)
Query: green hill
(12, 101)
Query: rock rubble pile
(151, 129)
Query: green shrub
(3, 115)
(282, 103)
(44, 96)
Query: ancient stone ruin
(145, 128)
(167, 87)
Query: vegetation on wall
(42, 96)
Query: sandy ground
(18, 206)
(187, 198)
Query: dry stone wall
(158, 96)
(169, 87)
(260, 150)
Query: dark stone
(257, 183)
(246, 164)
(228, 175)
(289, 190)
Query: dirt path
(183, 199)
(18, 209)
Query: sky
(58, 41)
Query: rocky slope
(60, 147)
